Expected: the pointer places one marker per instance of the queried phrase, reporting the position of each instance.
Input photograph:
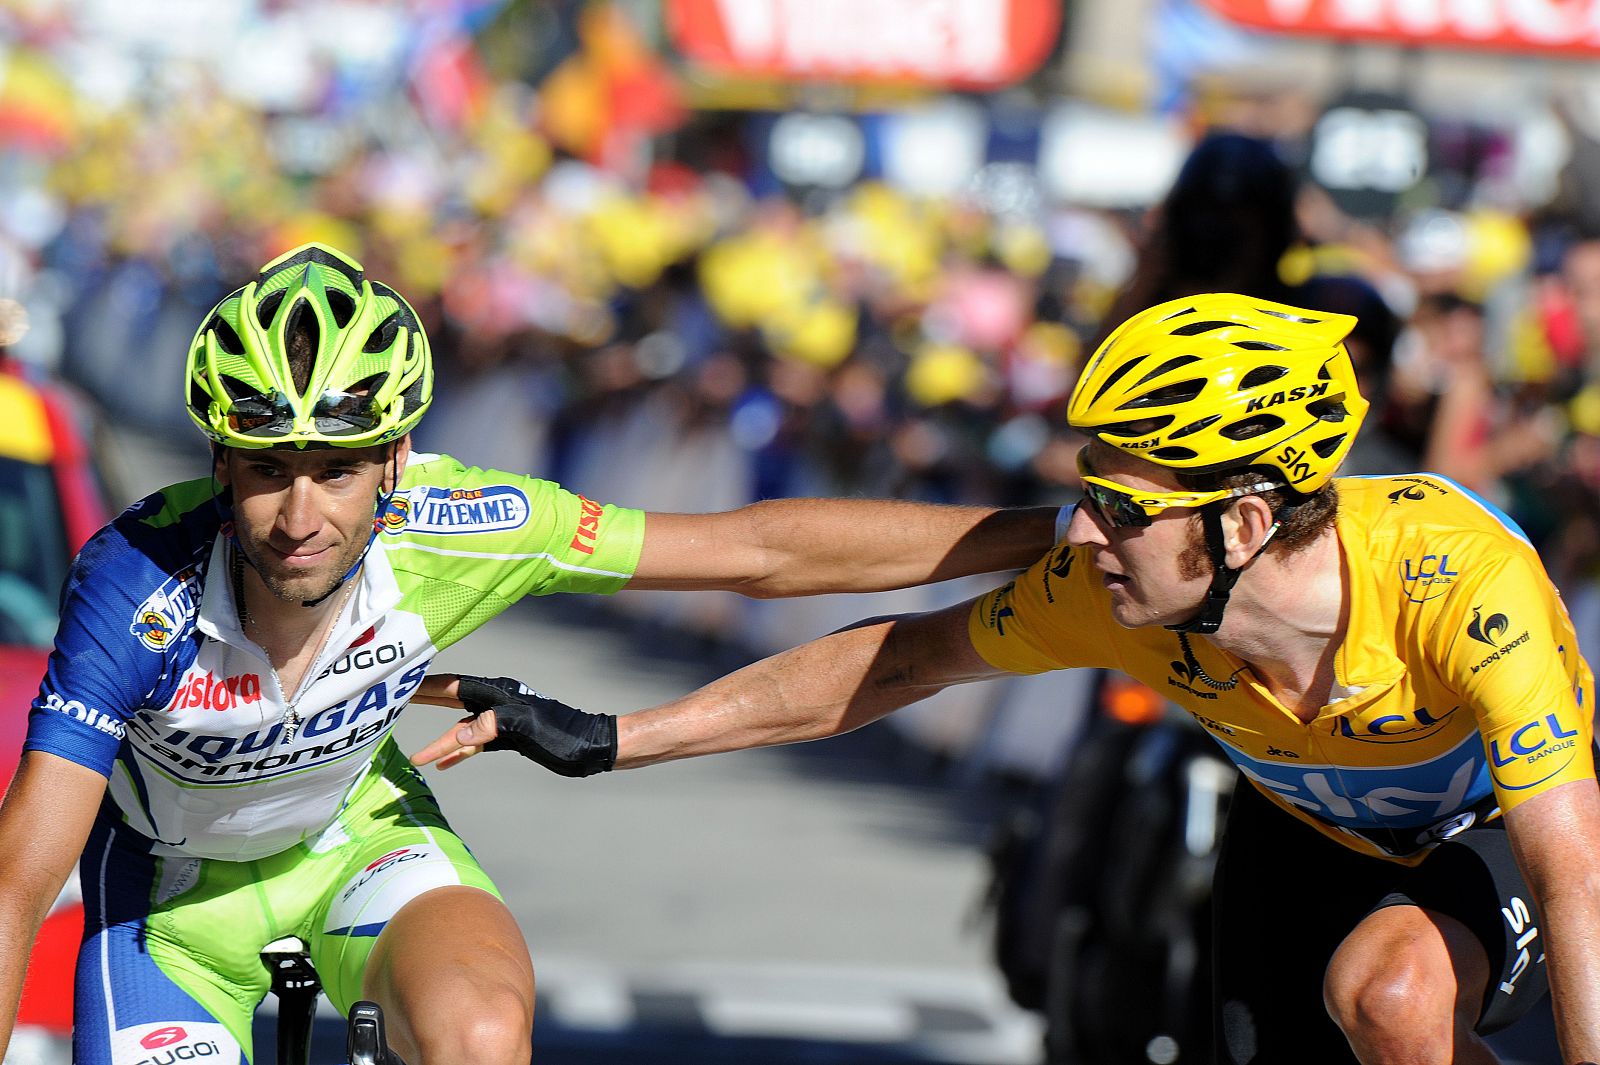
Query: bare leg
(453, 975)
(1406, 987)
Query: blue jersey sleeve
(123, 618)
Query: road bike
(297, 987)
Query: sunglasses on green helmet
(270, 417)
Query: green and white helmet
(365, 375)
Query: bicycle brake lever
(365, 1043)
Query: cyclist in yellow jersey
(1383, 658)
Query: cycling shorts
(1286, 897)
(170, 969)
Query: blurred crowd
(863, 340)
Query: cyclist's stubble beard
(303, 586)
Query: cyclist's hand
(461, 742)
(508, 715)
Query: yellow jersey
(1461, 688)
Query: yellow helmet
(1210, 383)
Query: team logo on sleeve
(447, 511)
(1534, 752)
(588, 525)
(999, 608)
(1060, 567)
(161, 617)
(1489, 630)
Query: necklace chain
(291, 716)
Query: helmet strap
(379, 506)
(222, 502)
(1209, 618)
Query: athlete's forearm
(20, 919)
(1552, 836)
(1572, 921)
(871, 545)
(820, 689)
(828, 686)
(44, 822)
(790, 547)
(824, 688)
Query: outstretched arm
(823, 688)
(828, 686)
(788, 547)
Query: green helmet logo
(311, 354)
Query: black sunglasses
(335, 414)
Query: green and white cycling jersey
(154, 684)
(170, 969)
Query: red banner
(969, 44)
(1560, 26)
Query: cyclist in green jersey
(1411, 854)
(213, 731)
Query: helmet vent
(382, 338)
(1172, 454)
(1329, 410)
(236, 388)
(1178, 314)
(342, 306)
(1182, 392)
(1290, 317)
(411, 399)
(1258, 345)
(227, 339)
(368, 386)
(1263, 375)
(1252, 427)
(1116, 375)
(1196, 328)
(1194, 427)
(302, 339)
(1168, 367)
(267, 309)
(1142, 427)
(1327, 447)
(199, 401)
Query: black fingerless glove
(559, 737)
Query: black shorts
(1287, 896)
